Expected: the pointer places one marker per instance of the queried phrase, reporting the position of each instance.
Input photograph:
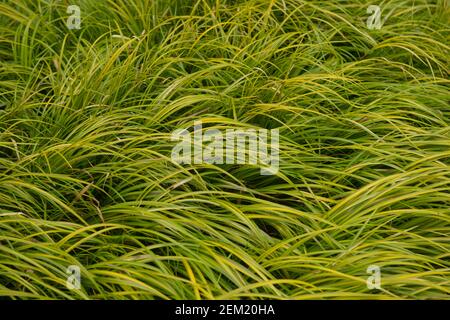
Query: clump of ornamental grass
(86, 176)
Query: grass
(86, 177)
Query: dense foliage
(86, 176)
